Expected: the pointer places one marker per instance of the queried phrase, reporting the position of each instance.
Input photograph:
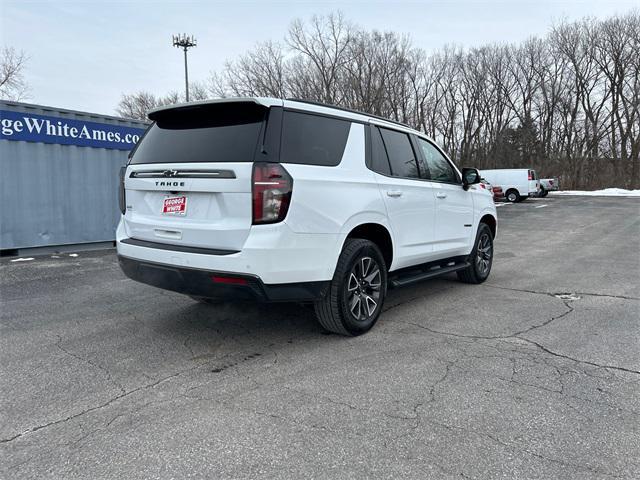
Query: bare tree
(197, 91)
(566, 104)
(137, 105)
(324, 49)
(260, 72)
(13, 86)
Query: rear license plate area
(175, 205)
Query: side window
(401, 155)
(379, 159)
(312, 139)
(440, 169)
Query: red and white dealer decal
(175, 206)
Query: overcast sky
(85, 54)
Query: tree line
(566, 104)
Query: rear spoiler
(212, 103)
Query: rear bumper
(273, 253)
(219, 285)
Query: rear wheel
(512, 195)
(357, 291)
(481, 257)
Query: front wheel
(543, 192)
(355, 297)
(481, 257)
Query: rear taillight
(122, 202)
(271, 192)
(530, 175)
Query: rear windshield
(227, 132)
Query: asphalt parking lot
(534, 374)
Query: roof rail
(350, 110)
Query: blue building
(59, 175)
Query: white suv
(282, 200)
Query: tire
(356, 295)
(512, 195)
(208, 301)
(480, 259)
(543, 192)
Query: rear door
(534, 182)
(454, 205)
(409, 200)
(189, 180)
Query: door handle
(394, 193)
(441, 195)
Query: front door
(453, 233)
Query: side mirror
(470, 176)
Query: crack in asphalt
(122, 395)
(417, 417)
(517, 448)
(98, 407)
(622, 297)
(518, 334)
(285, 419)
(577, 360)
(554, 294)
(322, 397)
(561, 374)
(58, 344)
(524, 339)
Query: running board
(414, 276)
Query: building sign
(29, 127)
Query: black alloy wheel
(363, 289)
(484, 254)
(354, 300)
(481, 257)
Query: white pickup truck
(548, 185)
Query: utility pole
(185, 42)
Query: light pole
(185, 42)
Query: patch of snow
(607, 192)
(73, 254)
(541, 206)
(23, 259)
